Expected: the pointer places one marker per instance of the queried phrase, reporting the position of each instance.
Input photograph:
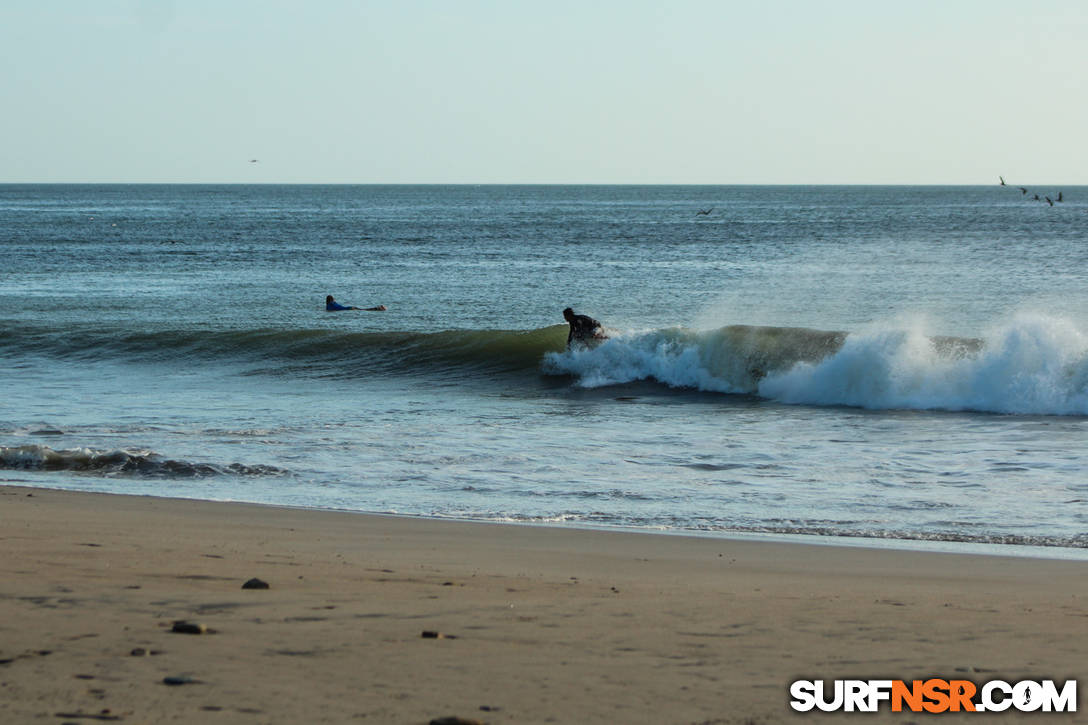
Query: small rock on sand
(431, 634)
(183, 627)
(179, 680)
(255, 583)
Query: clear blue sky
(555, 91)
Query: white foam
(1034, 364)
(674, 357)
(1031, 364)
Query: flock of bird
(1023, 192)
(1034, 197)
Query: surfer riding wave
(583, 328)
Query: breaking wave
(1034, 364)
(120, 462)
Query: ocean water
(889, 364)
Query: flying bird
(704, 212)
(253, 161)
(1002, 180)
(1048, 201)
(1023, 191)
(1059, 196)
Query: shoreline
(542, 623)
(888, 543)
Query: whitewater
(1034, 364)
(895, 366)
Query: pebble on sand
(431, 634)
(183, 627)
(179, 680)
(255, 583)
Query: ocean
(889, 366)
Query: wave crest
(315, 351)
(1034, 364)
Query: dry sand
(544, 624)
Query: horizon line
(506, 183)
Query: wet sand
(534, 624)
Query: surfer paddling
(582, 328)
(332, 305)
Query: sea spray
(1033, 364)
(728, 360)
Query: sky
(555, 91)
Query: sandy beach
(394, 620)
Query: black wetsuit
(582, 327)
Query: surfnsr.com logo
(933, 695)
